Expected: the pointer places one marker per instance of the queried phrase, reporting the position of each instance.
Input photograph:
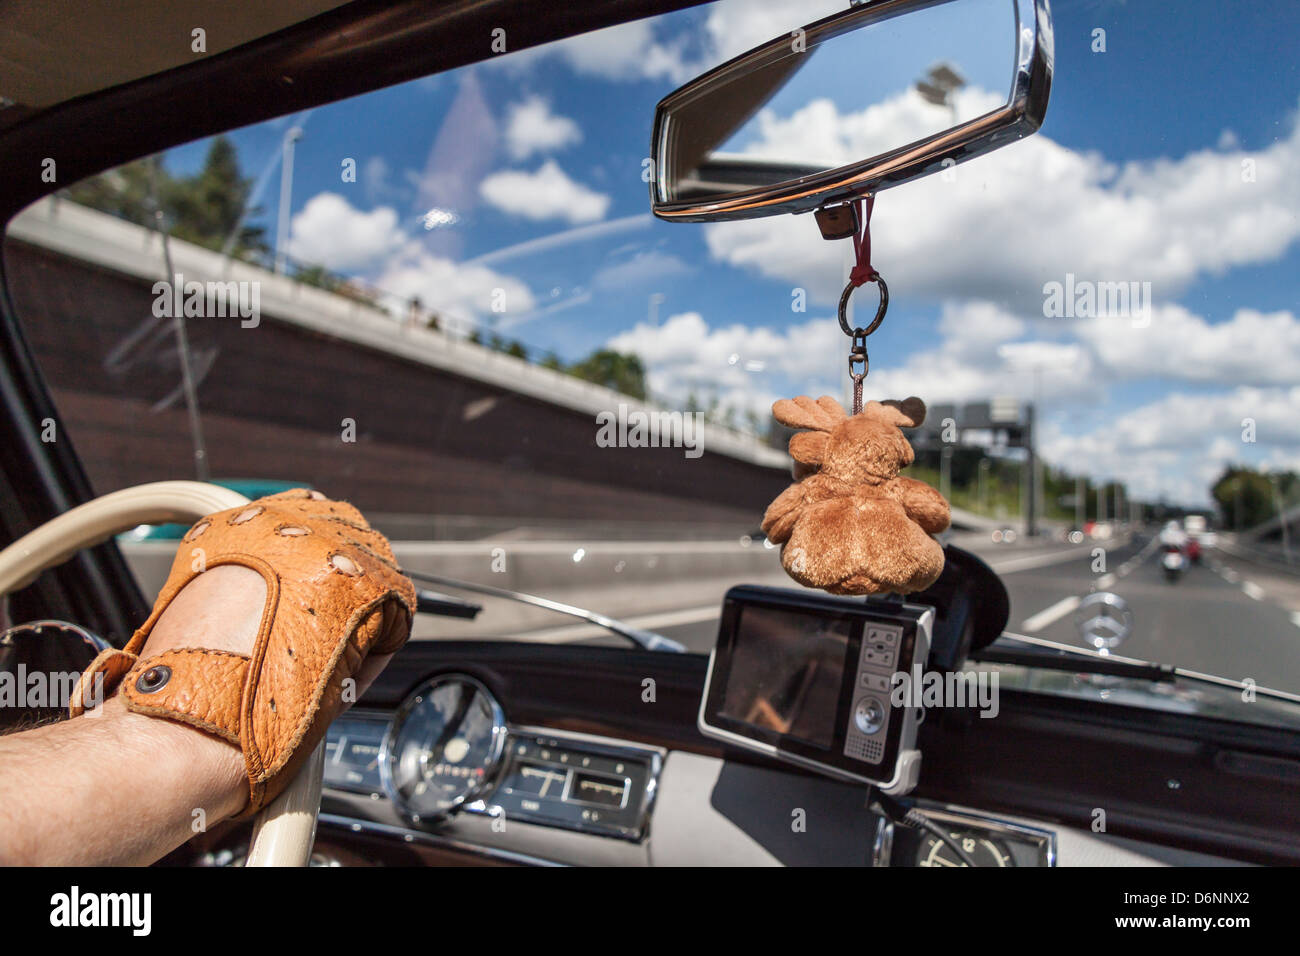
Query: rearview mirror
(886, 92)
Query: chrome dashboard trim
(500, 731)
(480, 801)
(435, 840)
(882, 845)
(654, 757)
(994, 825)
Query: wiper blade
(1061, 657)
(646, 640)
(1049, 655)
(431, 602)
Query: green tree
(620, 371)
(204, 208)
(1245, 496)
(207, 208)
(127, 191)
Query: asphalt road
(1225, 617)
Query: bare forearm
(111, 788)
(114, 787)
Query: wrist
(212, 770)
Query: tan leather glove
(334, 595)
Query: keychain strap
(862, 273)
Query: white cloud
(737, 26)
(818, 134)
(747, 367)
(546, 194)
(981, 354)
(465, 292)
(1028, 214)
(635, 51)
(330, 232)
(1250, 348)
(1172, 447)
(531, 127)
(629, 51)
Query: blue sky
(1136, 176)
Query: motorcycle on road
(1173, 561)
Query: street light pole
(1031, 465)
(286, 191)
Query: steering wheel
(283, 833)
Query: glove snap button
(154, 679)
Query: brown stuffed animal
(849, 524)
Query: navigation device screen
(786, 670)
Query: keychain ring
(880, 312)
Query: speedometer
(444, 747)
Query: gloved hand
(334, 595)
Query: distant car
(248, 487)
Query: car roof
(57, 50)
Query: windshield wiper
(1049, 655)
(646, 640)
(1036, 652)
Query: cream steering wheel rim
(283, 833)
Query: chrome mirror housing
(886, 92)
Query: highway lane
(1216, 619)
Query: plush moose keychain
(850, 524)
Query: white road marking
(1295, 618)
(1051, 614)
(1012, 565)
(1231, 576)
(1252, 590)
(1105, 582)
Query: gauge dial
(981, 848)
(444, 747)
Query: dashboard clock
(980, 847)
(444, 747)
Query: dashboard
(449, 751)
(494, 753)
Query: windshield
(448, 302)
